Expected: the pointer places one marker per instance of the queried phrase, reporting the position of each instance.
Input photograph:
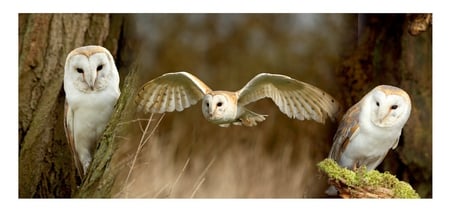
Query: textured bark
(45, 163)
(388, 54)
(416, 69)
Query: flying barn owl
(180, 90)
(91, 84)
(370, 128)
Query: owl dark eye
(80, 70)
(207, 104)
(393, 107)
(219, 104)
(99, 68)
(378, 104)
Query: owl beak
(90, 79)
(211, 112)
(91, 87)
(382, 116)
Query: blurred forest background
(346, 55)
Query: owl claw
(224, 125)
(250, 118)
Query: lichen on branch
(361, 183)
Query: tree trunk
(387, 54)
(45, 164)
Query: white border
(9, 179)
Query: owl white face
(217, 108)
(89, 72)
(389, 107)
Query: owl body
(371, 128)
(91, 85)
(89, 122)
(369, 145)
(368, 149)
(179, 90)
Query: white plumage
(370, 128)
(91, 84)
(180, 90)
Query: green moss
(404, 190)
(367, 179)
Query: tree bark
(45, 164)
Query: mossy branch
(365, 184)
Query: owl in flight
(91, 85)
(370, 128)
(180, 90)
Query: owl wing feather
(395, 143)
(171, 91)
(68, 129)
(348, 128)
(294, 98)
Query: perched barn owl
(91, 84)
(370, 128)
(180, 90)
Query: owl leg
(225, 125)
(355, 165)
(250, 118)
(371, 165)
(84, 149)
(85, 159)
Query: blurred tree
(387, 54)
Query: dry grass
(181, 155)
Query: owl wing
(68, 129)
(294, 98)
(169, 92)
(395, 143)
(348, 128)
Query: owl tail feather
(250, 118)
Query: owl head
(90, 69)
(388, 106)
(218, 107)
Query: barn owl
(91, 84)
(370, 128)
(180, 90)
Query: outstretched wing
(348, 128)
(294, 98)
(68, 128)
(169, 92)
